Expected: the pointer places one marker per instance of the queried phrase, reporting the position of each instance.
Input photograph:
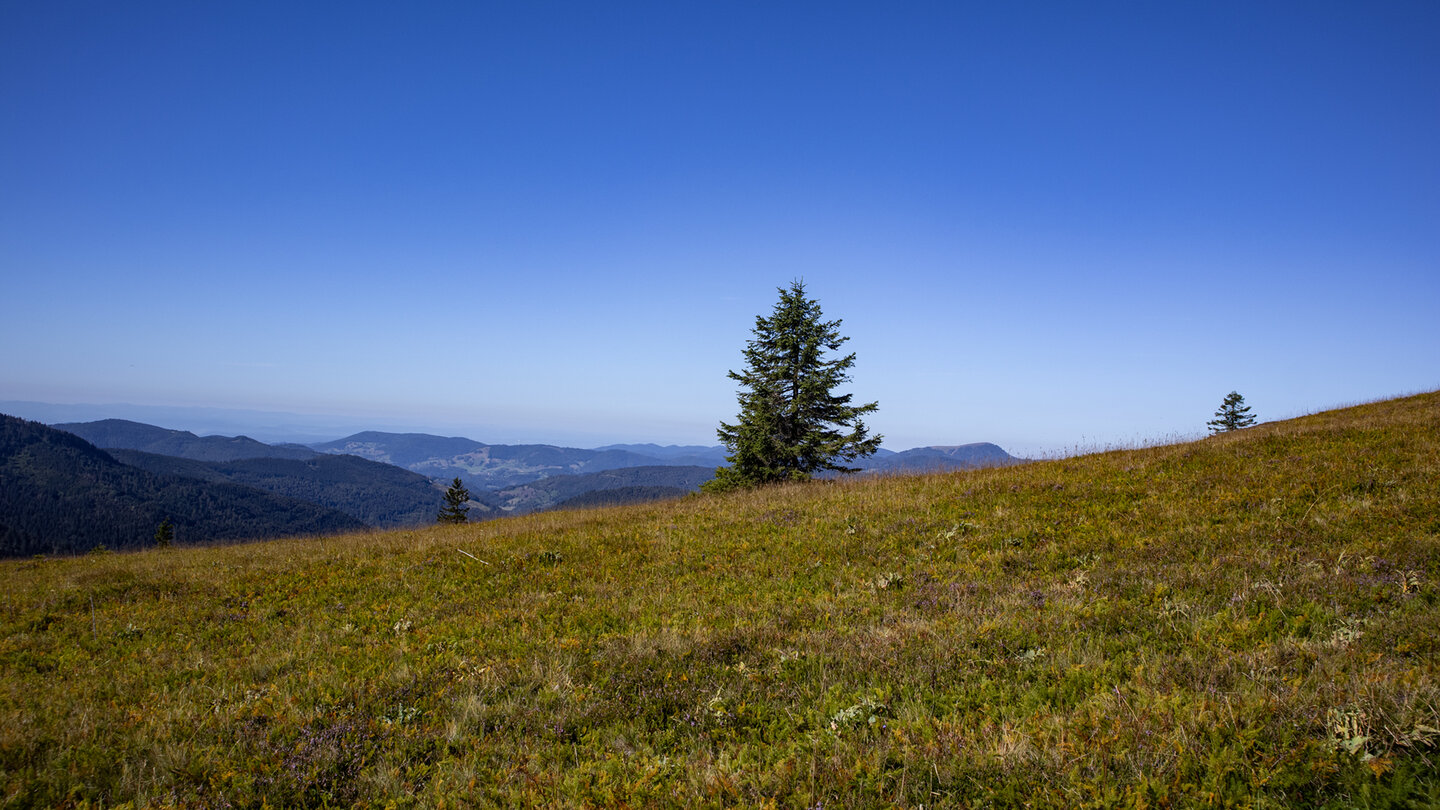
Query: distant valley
(72, 486)
(497, 466)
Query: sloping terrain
(380, 495)
(1252, 620)
(62, 495)
(121, 434)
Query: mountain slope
(400, 449)
(59, 494)
(1251, 620)
(122, 434)
(378, 494)
(631, 484)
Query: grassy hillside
(1250, 620)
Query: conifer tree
(791, 423)
(454, 509)
(1233, 415)
(165, 533)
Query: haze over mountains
(76, 485)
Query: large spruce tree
(792, 424)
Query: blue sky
(1047, 225)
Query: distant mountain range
(369, 479)
(940, 459)
(497, 466)
(622, 485)
(689, 455)
(127, 435)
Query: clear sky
(1046, 225)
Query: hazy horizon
(1045, 226)
(278, 427)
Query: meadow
(1249, 620)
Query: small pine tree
(165, 533)
(454, 509)
(791, 423)
(1234, 414)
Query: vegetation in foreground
(1248, 620)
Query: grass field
(1249, 620)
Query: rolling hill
(123, 434)
(940, 459)
(380, 495)
(59, 494)
(1250, 620)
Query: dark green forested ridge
(377, 494)
(59, 494)
(123, 434)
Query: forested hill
(122, 434)
(381, 495)
(60, 494)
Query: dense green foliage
(165, 534)
(62, 495)
(376, 494)
(792, 423)
(1252, 620)
(1233, 414)
(454, 508)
